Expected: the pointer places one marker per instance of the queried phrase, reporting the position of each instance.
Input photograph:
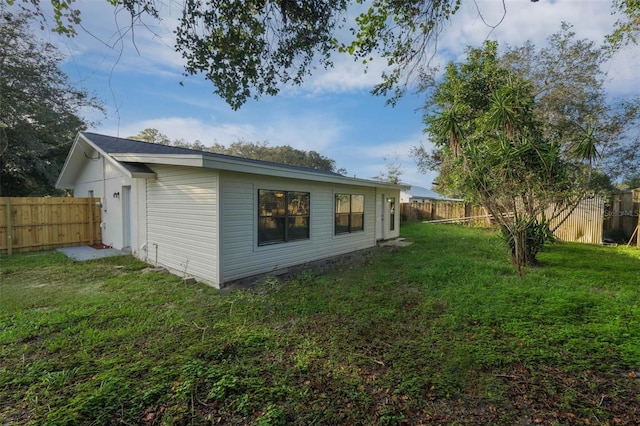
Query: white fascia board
(105, 155)
(192, 160)
(70, 166)
(230, 164)
(77, 157)
(274, 170)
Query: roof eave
(229, 164)
(143, 175)
(238, 165)
(65, 181)
(70, 169)
(193, 160)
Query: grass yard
(440, 332)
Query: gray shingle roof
(114, 145)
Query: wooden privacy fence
(593, 217)
(31, 224)
(442, 210)
(584, 223)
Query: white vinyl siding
(240, 254)
(182, 221)
(106, 180)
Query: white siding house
(219, 218)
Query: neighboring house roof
(136, 159)
(420, 192)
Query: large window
(282, 216)
(349, 213)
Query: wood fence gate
(44, 223)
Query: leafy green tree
(153, 136)
(568, 80)
(191, 145)
(250, 48)
(39, 107)
(392, 170)
(284, 154)
(483, 121)
(627, 27)
(570, 100)
(435, 159)
(631, 183)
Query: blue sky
(332, 112)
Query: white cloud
(346, 75)
(622, 72)
(369, 160)
(391, 151)
(305, 131)
(515, 22)
(107, 40)
(308, 131)
(525, 20)
(189, 129)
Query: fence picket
(31, 223)
(585, 224)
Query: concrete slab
(89, 253)
(398, 242)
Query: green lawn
(440, 332)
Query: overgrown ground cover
(440, 332)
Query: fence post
(9, 228)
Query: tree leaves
(248, 49)
(627, 28)
(252, 48)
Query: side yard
(440, 332)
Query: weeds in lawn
(439, 332)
